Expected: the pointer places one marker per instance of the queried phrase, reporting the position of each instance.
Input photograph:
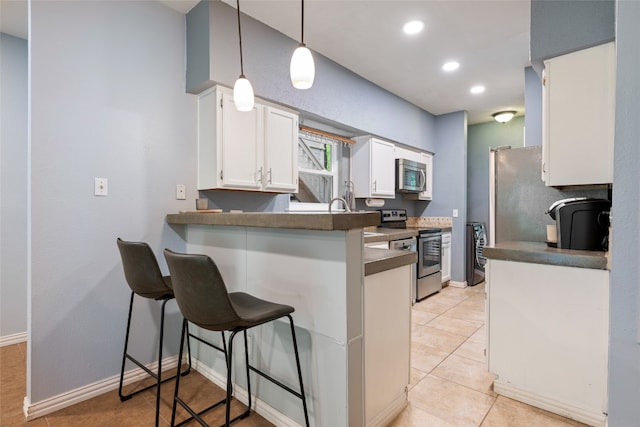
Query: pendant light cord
(240, 38)
(302, 20)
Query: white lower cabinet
(255, 150)
(446, 257)
(548, 334)
(387, 344)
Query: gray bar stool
(143, 276)
(204, 301)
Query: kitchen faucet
(346, 205)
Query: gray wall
(13, 182)
(337, 95)
(559, 27)
(450, 183)
(532, 108)
(624, 352)
(108, 101)
(482, 138)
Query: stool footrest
(153, 375)
(275, 381)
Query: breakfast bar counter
(288, 220)
(316, 263)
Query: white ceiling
(490, 39)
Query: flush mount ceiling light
(504, 116)
(477, 89)
(302, 68)
(451, 66)
(413, 27)
(242, 90)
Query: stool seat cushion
(254, 311)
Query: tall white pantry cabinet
(578, 117)
(255, 150)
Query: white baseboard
(589, 417)
(13, 339)
(455, 284)
(64, 400)
(259, 406)
(393, 410)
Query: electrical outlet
(181, 192)
(101, 187)
(455, 213)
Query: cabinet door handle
(374, 185)
(259, 178)
(269, 173)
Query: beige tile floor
(449, 382)
(450, 385)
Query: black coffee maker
(582, 223)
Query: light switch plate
(101, 187)
(455, 213)
(181, 192)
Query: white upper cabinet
(578, 117)
(280, 150)
(373, 168)
(255, 150)
(427, 159)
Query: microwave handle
(423, 185)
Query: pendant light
(302, 68)
(242, 90)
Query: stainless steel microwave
(411, 177)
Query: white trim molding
(455, 284)
(13, 339)
(64, 400)
(582, 415)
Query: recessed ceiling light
(413, 27)
(477, 89)
(451, 66)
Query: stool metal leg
(295, 350)
(124, 352)
(158, 374)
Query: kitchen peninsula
(548, 327)
(317, 263)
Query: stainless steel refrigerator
(519, 198)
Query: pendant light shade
(302, 68)
(243, 94)
(242, 90)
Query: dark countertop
(379, 260)
(388, 234)
(540, 253)
(300, 221)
